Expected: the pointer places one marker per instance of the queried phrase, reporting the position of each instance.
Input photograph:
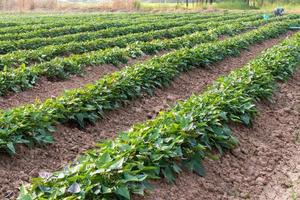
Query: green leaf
(117, 165)
(51, 129)
(194, 164)
(41, 136)
(123, 191)
(176, 168)
(11, 148)
(139, 190)
(24, 195)
(137, 178)
(80, 119)
(246, 119)
(168, 174)
(224, 115)
(74, 188)
(105, 190)
(105, 158)
(198, 168)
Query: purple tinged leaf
(45, 175)
(74, 188)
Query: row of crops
(95, 25)
(21, 78)
(50, 51)
(59, 47)
(108, 51)
(15, 21)
(103, 32)
(177, 139)
(32, 123)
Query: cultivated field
(116, 106)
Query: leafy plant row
(9, 46)
(18, 79)
(11, 21)
(21, 28)
(36, 42)
(17, 20)
(55, 23)
(175, 140)
(47, 53)
(91, 26)
(32, 123)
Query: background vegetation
(114, 5)
(225, 4)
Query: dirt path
(285, 183)
(266, 165)
(70, 141)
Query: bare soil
(71, 141)
(265, 166)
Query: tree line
(257, 3)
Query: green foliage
(32, 123)
(222, 4)
(55, 27)
(176, 139)
(60, 68)
(96, 31)
(49, 52)
(137, 4)
(234, 5)
(58, 21)
(53, 23)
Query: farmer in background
(278, 11)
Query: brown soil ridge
(71, 141)
(265, 166)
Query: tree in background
(250, 3)
(23, 5)
(136, 4)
